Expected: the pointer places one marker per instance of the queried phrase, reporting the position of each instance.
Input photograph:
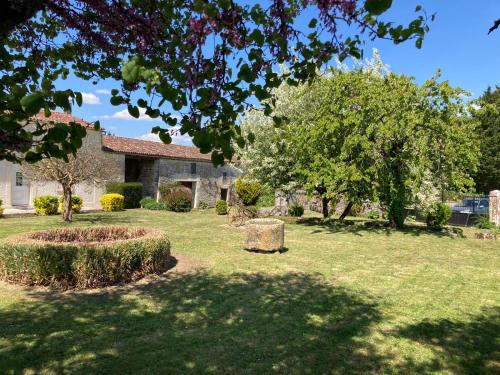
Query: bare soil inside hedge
(85, 235)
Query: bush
(166, 187)
(221, 207)
(146, 201)
(46, 205)
(112, 202)
(411, 218)
(150, 204)
(203, 206)
(373, 214)
(178, 200)
(131, 191)
(1, 209)
(483, 222)
(248, 191)
(266, 198)
(296, 210)
(83, 257)
(76, 204)
(437, 215)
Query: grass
(354, 299)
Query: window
(224, 176)
(193, 168)
(19, 179)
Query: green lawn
(339, 300)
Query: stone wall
(207, 179)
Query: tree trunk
(324, 202)
(68, 209)
(346, 211)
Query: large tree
(205, 60)
(86, 167)
(487, 177)
(369, 134)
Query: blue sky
(457, 43)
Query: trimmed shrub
(203, 206)
(248, 191)
(46, 205)
(373, 214)
(112, 202)
(437, 215)
(131, 191)
(150, 204)
(76, 204)
(83, 257)
(296, 210)
(178, 200)
(483, 222)
(221, 207)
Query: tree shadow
(361, 226)
(194, 323)
(471, 347)
(102, 218)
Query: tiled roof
(62, 117)
(139, 147)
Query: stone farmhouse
(150, 163)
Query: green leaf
(78, 98)
(313, 23)
(217, 158)
(131, 71)
(61, 100)
(134, 111)
(116, 100)
(165, 137)
(32, 103)
(377, 7)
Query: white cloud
(177, 138)
(103, 91)
(89, 98)
(124, 115)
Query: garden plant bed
(83, 257)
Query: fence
(468, 209)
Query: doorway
(223, 194)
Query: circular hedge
(84, 257)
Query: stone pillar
(495, 207)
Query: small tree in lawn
(85, 167)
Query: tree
(267, 158)
(487, 177)
(370, 135)
(86, 167)
(203, 59)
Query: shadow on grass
(194, 323)
(102, 218)
(359, 227)
(465, 347)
